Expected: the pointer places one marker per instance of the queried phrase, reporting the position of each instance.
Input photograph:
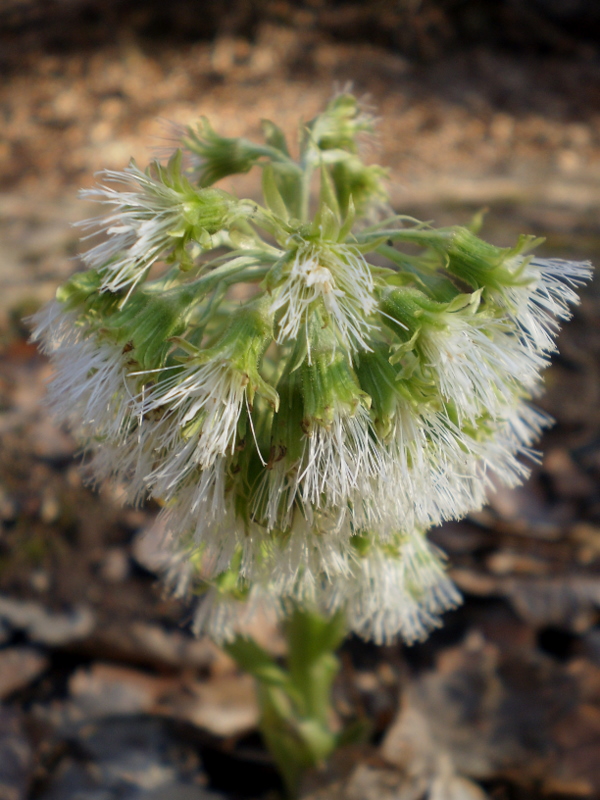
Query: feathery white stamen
(339, 458)
(211, 393)
(547, 290)
(479, 364)
(396, 595)
(90, 389)
(222, 617)
(341, 278)
(138, 229)
(54, 327)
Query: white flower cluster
(302, 413)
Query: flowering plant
(302, 413)
(304, 386)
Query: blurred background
(104, 692)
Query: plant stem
(295, 701)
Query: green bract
(302, 396)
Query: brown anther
(271, 459)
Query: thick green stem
(295, 701)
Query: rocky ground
(105, 693)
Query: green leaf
(295, 743)
(186, 346)
(252, 658)
(328, 224)
(348, 223)
(274, 136)
(275, 275)
(476, 222)
(328, 193)
(271, 193)
(285, 746)
(289, 182)
(311, 635)
(318, 740)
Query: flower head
(398, 587)
(156, 219)
(475, 360)
(302, 397)
(534, 293)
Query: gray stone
(182, 791)
(16, 757)
(19, 666)
(43, 626)
(129, 758)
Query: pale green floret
(475, 360)
(482, 265)
(329, 386)
(535, 293)
(149, 321)
(163, 218)
(378, 379)
(218, 156)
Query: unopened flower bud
(340, 124)
(217, 156)
(361, 182)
